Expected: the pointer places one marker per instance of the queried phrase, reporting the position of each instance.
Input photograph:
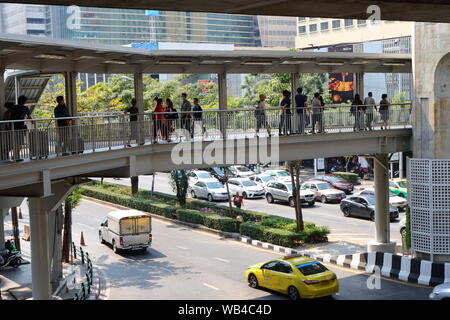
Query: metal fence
(43, 138)
(83, 293)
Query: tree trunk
(134, 185)
(15, 223)
(299, 213)
(67, 236)
(153, 184)
(225, 176)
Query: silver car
(246, 188)
(282, 191)
(196, 175)
(441, 292)
(262, 179)
(210, 189)
(324, 191)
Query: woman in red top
(159, 118)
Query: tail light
(121, 241)
(310, 282)
(150, 236)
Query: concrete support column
(2, 229)
(223, 103)
(400, 165)
(71, 92)
(382, 219)
(139, 96)
(40, 253)
(2, 93)
(359, 84)
(295, 83)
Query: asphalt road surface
(353, 230)
(188, 264)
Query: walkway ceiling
(401, 10)
(55, 56)
(31, 84)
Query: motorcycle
(12, 258)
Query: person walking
(260, 115)
(197, 115)
(317, 114)
(133, 111)
(301, 105)
(369, 103)
(186, 117)
(285, 114)
(159, 125)
(64, 134)
(171, 115)
(357, 112)
(384, 110)
(238, 200)
(19, 112)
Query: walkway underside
(34, 178)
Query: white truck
(127, 230)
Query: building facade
(277, 31)
(23, 19)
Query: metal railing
(85, 290)
(43, 138)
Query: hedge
(276, 236)
(348, 176)
(212, 221)
(191, 216)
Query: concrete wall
(431, 68)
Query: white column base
(389, 247)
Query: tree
(225, 179)
(294, 168)
(134, 185)
(179, 183)
(71, 202)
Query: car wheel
(244, 195)
(100, 237)
(323, 199)
(292, 202)
(210, 198)
(293, 293)
(403, 232)
(346, 212)
(193, 194)
(269, 198)
(372, 216)
(253, 281)
(115, 249)
(312, 203)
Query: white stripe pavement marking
(425, 272)
(371, 258)
(447, 272)
(405, 268)
(180, 247)
(356, 258)
(327, 258)
(387, 265)
(265, 245)
(210, 286)
(223, 260)
(340, 260)
(254, 242)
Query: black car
(363, 207)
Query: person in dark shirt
(300, 105)
(134, 128)
(285, 114)
(64, 133)
(197, 115)
(19, 112)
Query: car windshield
(289, 185)
(204, 175)
(370, 200)
(214, 185)
(283, 174)
(402, 184)
(243, 169)
(311, 268)
(248, 183)
(266, 178)
(324, 186)
(334, 179)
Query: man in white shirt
(317, 110)
(369, 103)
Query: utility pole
(153, 184)
(15, 223)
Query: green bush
(315, 234)
(282, 237)
(251, 230)
(217, 222)
(408, 228)
(349, 176)
(191, 216)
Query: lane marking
(180, 247)
(210, 286)
(223, 260)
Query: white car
(196, 175)
(279, 175)
(210, 189)
(282, 191)
(262, 179)
(241, 171)
(402, 225)
(324, 191)
(246, 188)
(397, 202)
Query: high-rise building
(23, 19)
(277, 31)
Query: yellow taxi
(294, 275)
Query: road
(353, 230)
(188, 264)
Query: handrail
(85, 290)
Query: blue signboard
(146, 45)
(152, 13)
